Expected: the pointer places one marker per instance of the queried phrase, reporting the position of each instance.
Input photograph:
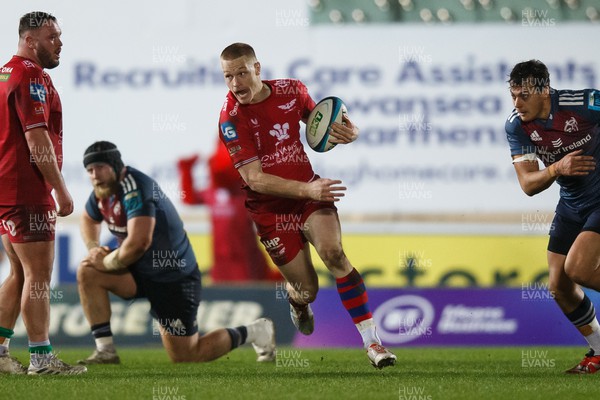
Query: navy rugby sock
(238, 336)
(584, 314)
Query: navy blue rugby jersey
(170, 256)
(572, 125)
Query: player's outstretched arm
(343, 133)
(42, 154)
(261, 182)
(533, 180)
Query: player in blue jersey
(560, 128)
(154, 260)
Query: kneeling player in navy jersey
(154, 260)
(560, 128)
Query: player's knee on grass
(185, 349)
(177, 358)
(180, 349)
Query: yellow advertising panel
(432, 260)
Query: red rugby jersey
(28, 100)
(269, 131)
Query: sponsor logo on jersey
(234, 149)
(257, 140)
(571, 125)
(547, 153)
(234, 111)
(228, 131)
(37, 92)
(38, 110)
(282, 82)
(6, 70)
(535, 136)
(28, 64)
(271, 244)
(280, 131)
(594, 100)
(133, 201)
(254, 121)
(4, 77)
(288, 106)
(274, 246)
(285, 154)
(116, 228)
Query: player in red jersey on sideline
(236, 253)
(30, 163)
(260, 125)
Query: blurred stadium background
(452, 250)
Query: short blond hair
(237, 50)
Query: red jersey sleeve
(305, 100)
(31, 98)
(235, 134)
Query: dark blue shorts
(174, 305)
(568, 224)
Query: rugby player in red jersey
(30, 163)
(561, 128)
(260, 125)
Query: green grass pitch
(420, 374)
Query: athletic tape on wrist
(111, 261)
(526, 157)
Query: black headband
(111, 157)
(100, 156)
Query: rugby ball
(325, 113)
